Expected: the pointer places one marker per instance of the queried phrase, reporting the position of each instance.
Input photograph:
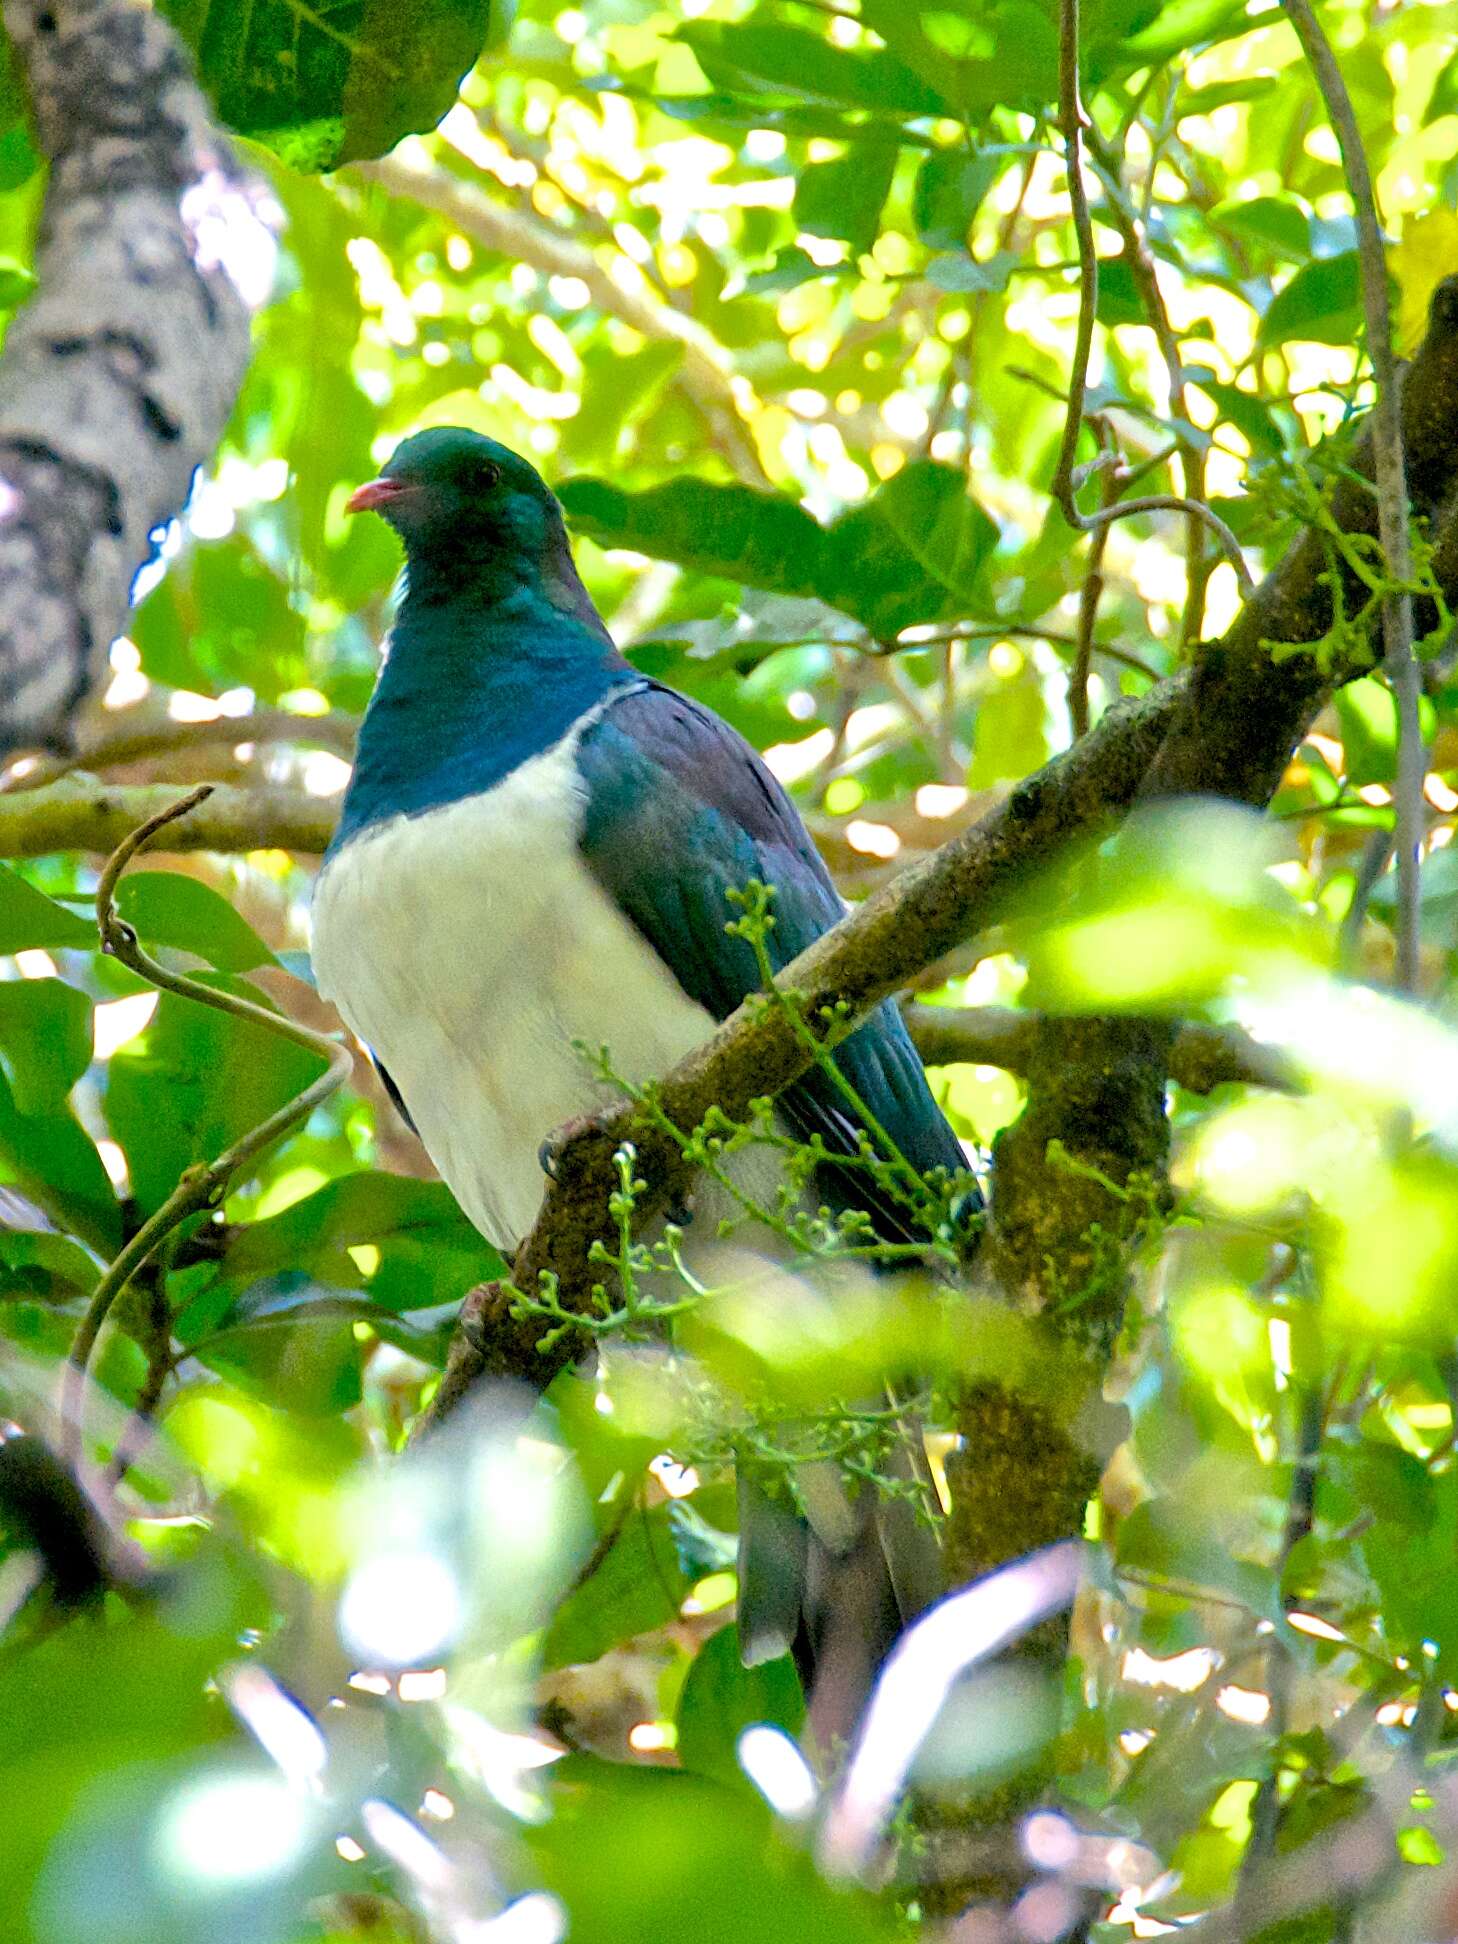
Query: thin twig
(998, 630)
(1072, 120)
(1089, 597)
(1391, 473)
(203, 1184)
(1192, 463)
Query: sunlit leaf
(1321, 303)
(167, 908)
(326, 89)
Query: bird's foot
(550, 1153)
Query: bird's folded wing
(679, 812)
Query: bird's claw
(549, 1154)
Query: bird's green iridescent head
(452, 493)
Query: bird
(536, 848)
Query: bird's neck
(478, 678)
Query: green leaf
(912, 552)
(1157, 1538)
(429, 1252)
(790, 63)
(45, 1266)
(45, 1041)
(656, 1856)
(721, 1698)
(30, 921)
(56, 1163)
(1321, 304)
(639, 1585)
(222, 616)
(845, 198)
(732, 531)
(16, 283)
(1437, 898)
(960, 272)
(1119, 299)
(291, 1341)
(1010, 732)
(293, 1331)
(1181, 27)
(950, 186)
(326, 88)
(1367, 714)
(981, 53)
(1250, 417)
(167, 908)
(1277, 223)
(193, 1083)
(1413, 1569)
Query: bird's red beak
(375, 495)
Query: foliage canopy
(783, 297)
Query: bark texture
(119, 373)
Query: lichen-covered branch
(81, 813)
(119, 374)
(105, 739)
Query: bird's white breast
(469, 947)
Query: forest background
(992, 413)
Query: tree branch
(1391, 471)
(106, 740)
(120, 372)
(80, 813)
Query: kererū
(536, 847)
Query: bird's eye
(487, 476)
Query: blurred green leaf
(950, 186)
(45, 1041)
(1119, 299)
(721, 1698)
(844, 198)
(762, 55)
(1155, 1539)
(16, 283)
(48, 1267)
(291, 1342)
(29, 920)
(640, 1584)
(912, 552)
(1277, 223)
(57, 1165)
(414, 1224)
(113, 1710)
(631, 1851)
(1004, 54)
